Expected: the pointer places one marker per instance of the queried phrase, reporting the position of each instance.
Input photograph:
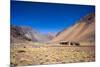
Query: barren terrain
(38, 53)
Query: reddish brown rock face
(82, 31)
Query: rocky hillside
(82, 31)
(25, 33)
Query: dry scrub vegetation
(32, 54)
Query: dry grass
(35, 55)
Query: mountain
(25, 33)
(82, 31)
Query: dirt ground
(36, 55)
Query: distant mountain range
(25, 33)
(82, 31)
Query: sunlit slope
(82, 31)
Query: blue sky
(47, 17)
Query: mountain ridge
(27, 33)
(83, 30)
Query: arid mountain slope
(24, 33)
(83, 31)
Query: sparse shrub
(21, 51)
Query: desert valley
(73, 44)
